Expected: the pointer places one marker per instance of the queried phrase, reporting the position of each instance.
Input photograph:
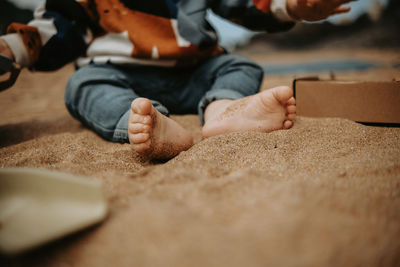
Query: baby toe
(138, 128)
(291, 101)
(291, 117)
(142, 147)
(291, 109)
(287, 124)
(139, 138)
(143, 119)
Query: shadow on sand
(11, 134)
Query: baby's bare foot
(154, 135)
(266, 111)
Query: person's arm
(277, 15)
(57, 35)
(313, 10)
(259, 15)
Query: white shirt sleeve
(17, 46)
(278, 8)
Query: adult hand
(313, 10)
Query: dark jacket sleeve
(58, 34)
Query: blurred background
(370, 24)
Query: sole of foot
(267, 111)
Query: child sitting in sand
(137, 61)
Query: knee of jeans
(253, 68)
(258, 71)
(247, 65)
(238, 59)
(258, 74)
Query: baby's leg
(154, 135)
(266, 111)
(234, 103)
(102, 99)
(98, 97)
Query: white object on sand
(38, 206)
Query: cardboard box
(369, 102)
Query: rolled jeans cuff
(213, 95)
(121, 130)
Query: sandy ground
(325, 193)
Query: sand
(324, 193)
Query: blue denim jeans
(100, 95)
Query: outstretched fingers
(341, 2)
(341, 10)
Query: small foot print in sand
(154, 135)
(158, 137)
(267, 111)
